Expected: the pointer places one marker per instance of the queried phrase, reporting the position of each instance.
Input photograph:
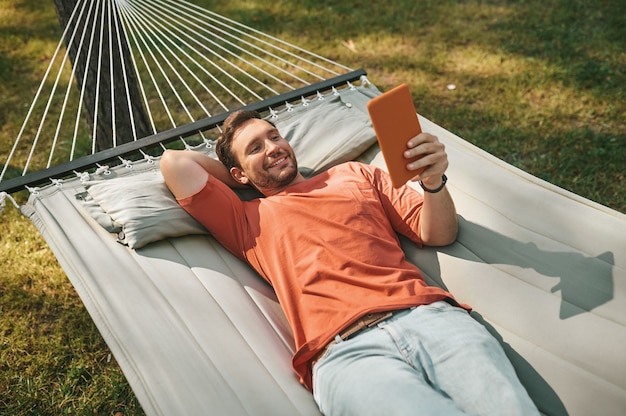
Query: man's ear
(239, 176)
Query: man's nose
(271, 147)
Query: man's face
(267, 160)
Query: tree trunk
(89, 72)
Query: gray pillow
(96, 212)
(330, 131)
(323, 133)
(145, 208)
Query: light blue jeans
(430, 360)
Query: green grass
(539, 84)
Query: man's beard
(274, 181)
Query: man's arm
(438, 219)
(186, 172)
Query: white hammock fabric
(197, 332)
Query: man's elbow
(167, 162)
(442, 237)
(440, 242)
(451, 239)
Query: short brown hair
(223, 148)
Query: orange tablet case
(395, 122)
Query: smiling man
(266, 160)
(371, 336)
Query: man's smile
(278, 162)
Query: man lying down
(371, 336)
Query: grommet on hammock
(83, 176)
(127, 163)
(32, 189)
(149, 158)
(57, 182)
(208, 144)
(103, 170)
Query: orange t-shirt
(327, 245)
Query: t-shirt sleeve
(402, 205)
(219, 209)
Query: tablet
(395, 122)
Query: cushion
(323, 133)
(144, 207)
(96, 212)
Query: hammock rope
(32, 107)
(188, 64)
(3, 197)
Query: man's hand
(438, 222)
(432, 156)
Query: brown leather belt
(364, 322)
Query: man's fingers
(432, 159)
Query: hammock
(194, 330)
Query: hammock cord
(142, 89)
(98, 79)
(3, 197)
(112, 77)
(84, 82)
(146, 39)
(173, 60)
(67, 95)
(208, 41)
(157, 32)
(274, 42)
(31, 108)
(124, 74)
